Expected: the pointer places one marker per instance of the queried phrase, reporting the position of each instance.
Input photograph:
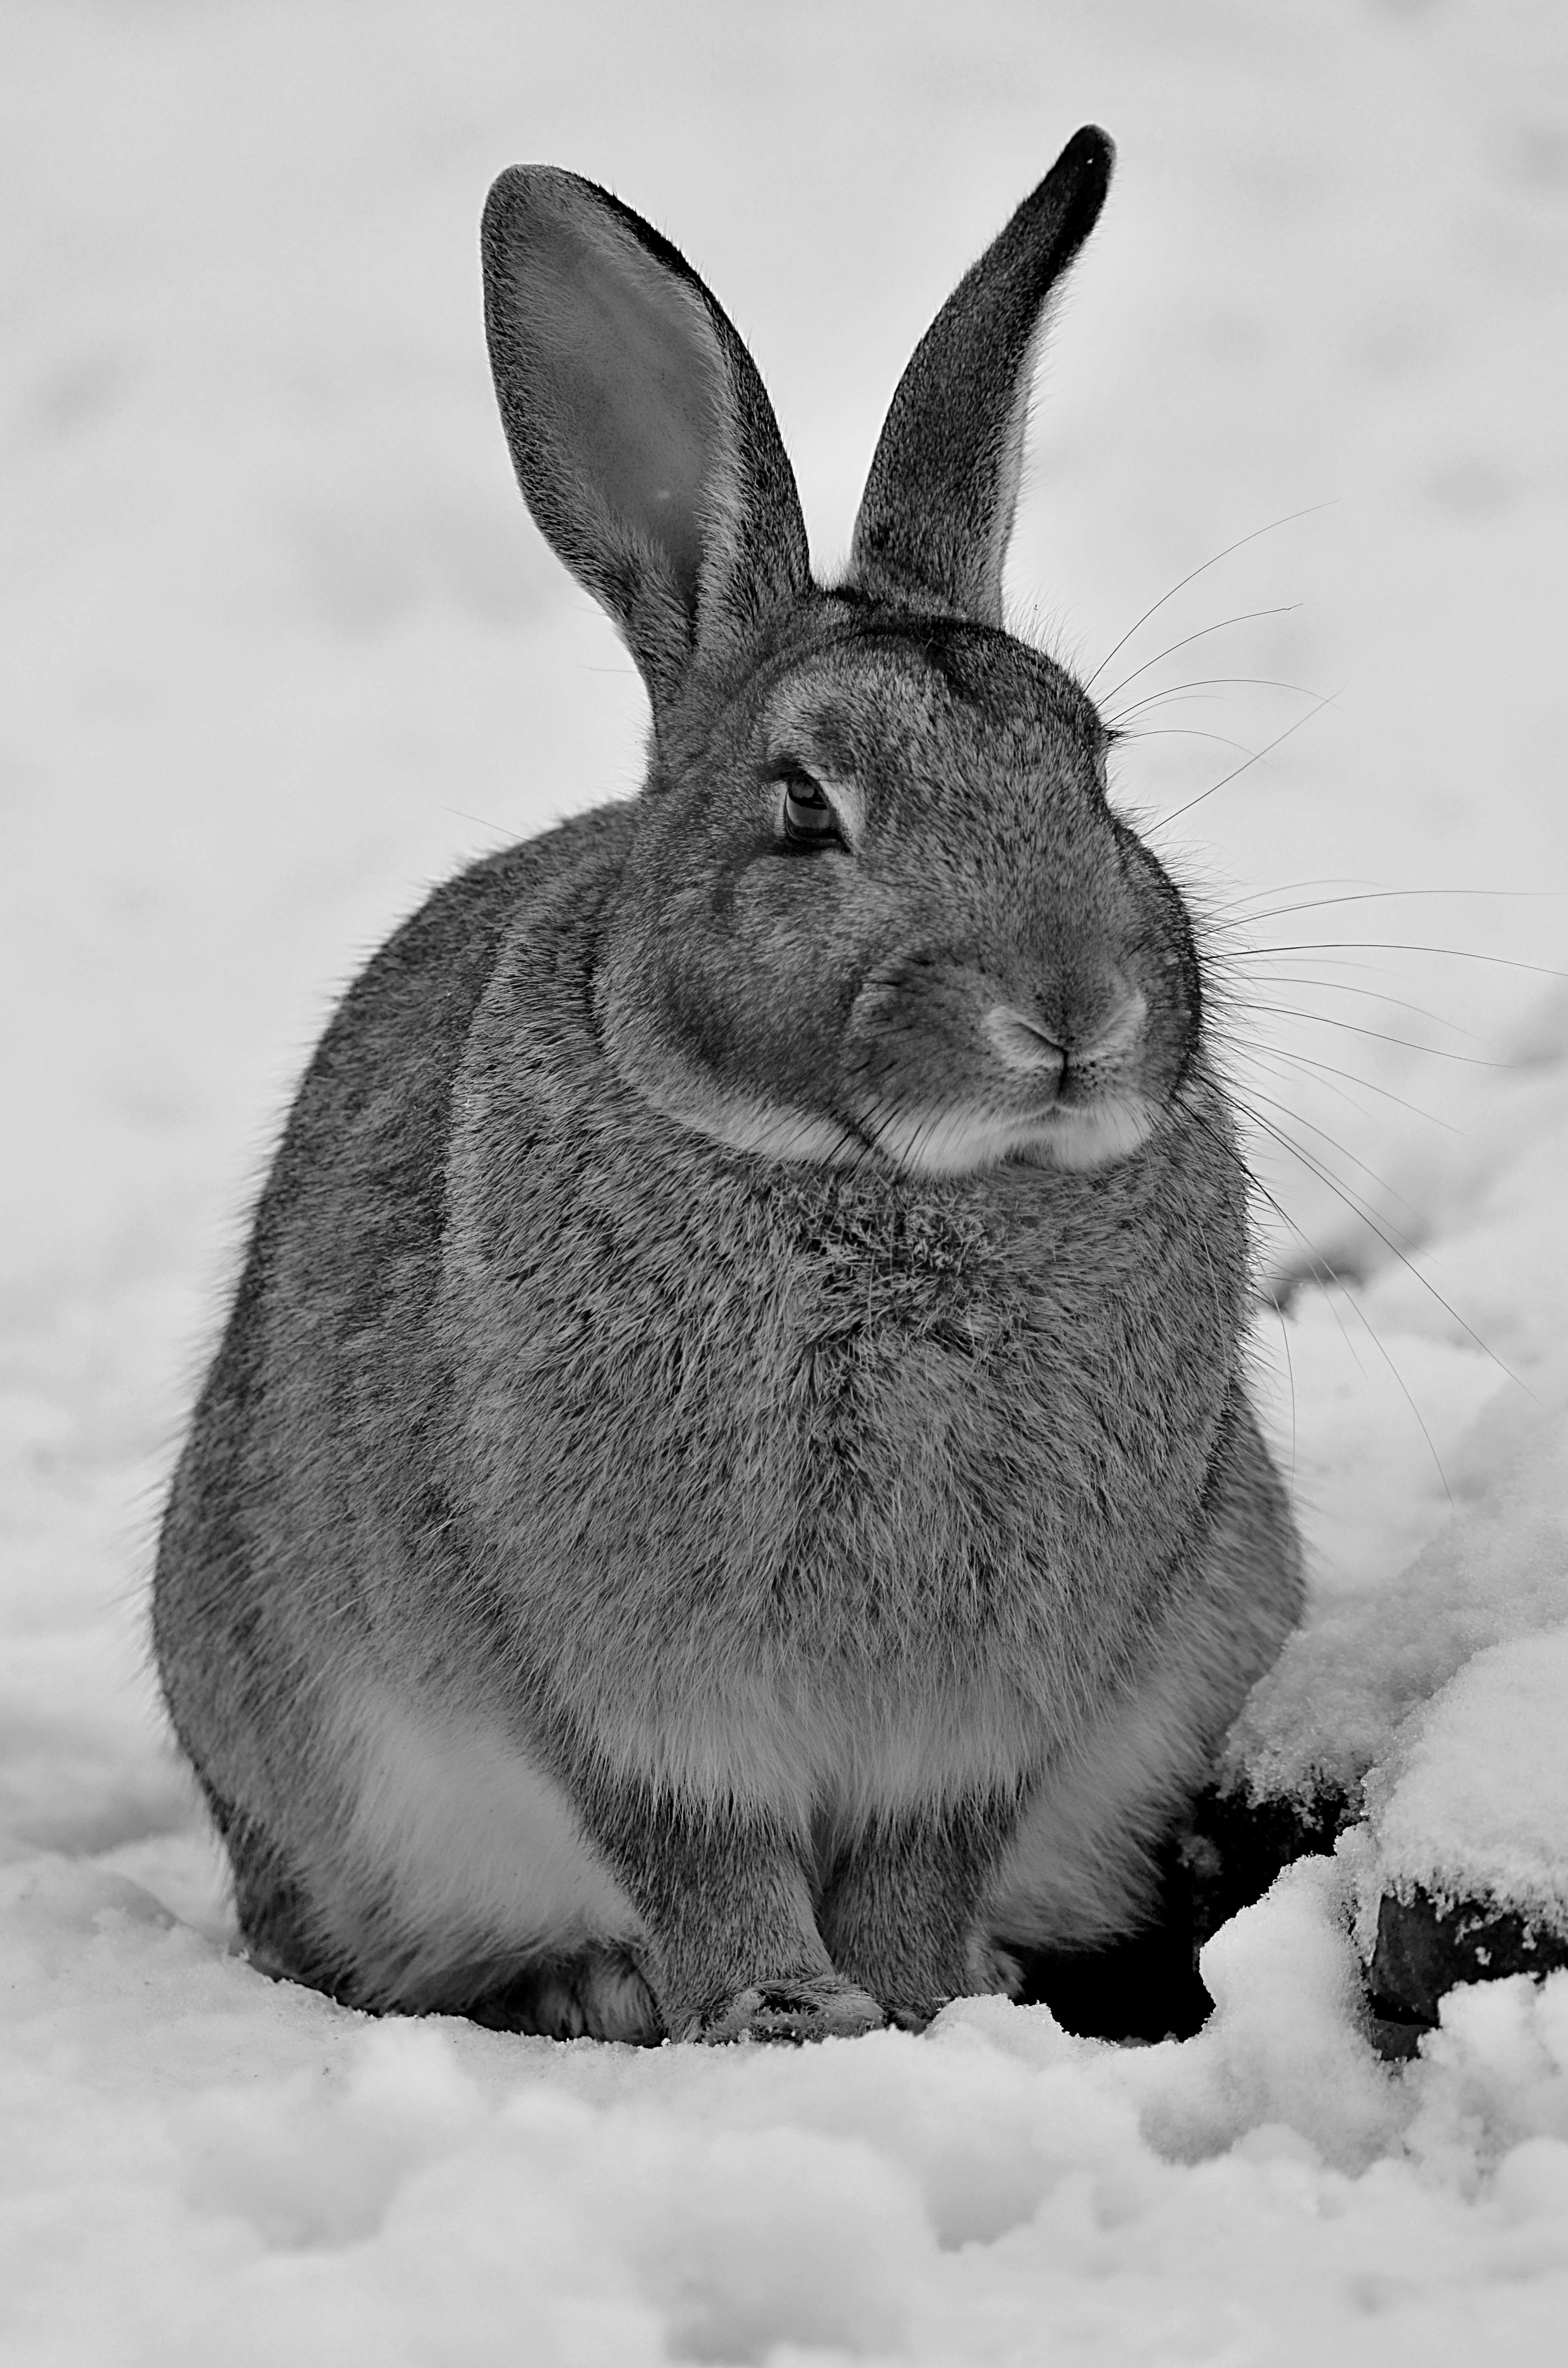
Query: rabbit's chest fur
(830, 1477)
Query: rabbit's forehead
(992, 707)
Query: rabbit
(727, 1506)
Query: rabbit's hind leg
(598, 1994)
(281, 1937)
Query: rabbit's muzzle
(949, 1079)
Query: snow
(246, 2178)
(282, 649)
(1496, 1571)
(1472, 1800)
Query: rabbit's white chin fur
(776, 1130)
(960, 1141)
(1095, 1136)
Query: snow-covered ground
(281, 648)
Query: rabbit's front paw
(991, 1971)
(793, 2011)
(914, 2014)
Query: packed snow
(283, 649)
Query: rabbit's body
(717, 1511)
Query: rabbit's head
(876, 903)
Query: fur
(727, 1495)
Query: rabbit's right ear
(644, 441)
(938, 504)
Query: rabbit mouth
(1081, 1135)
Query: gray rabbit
(727, 1500)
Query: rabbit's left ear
(641, 436)
(939, 504)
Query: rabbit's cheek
(924, 1082)
(771, 1130)
(712, 1047)
(741, 1118)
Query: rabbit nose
(1116, 1035)
(1023, 1043)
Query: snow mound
(1471, 1803)
(1334, 1704)
(264, 2175)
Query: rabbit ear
(641, 437)
(938, 504)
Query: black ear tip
(1075, 187)
(1090, 146)
(1088, 160)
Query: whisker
(1205, 682)
(1354, 1028)
(1320, 1271)
(1360, 1206)
(1397, 946)
(1189, 732)
(1367, 1326)
(1246, 616)
(1369, 994)
(1334, 1144)
(1239, 957)
(864, 1137)
(502, 832)
(1258, 1051)
(1267, 749)
(1327, 1282)
(1344, 986)
(1336, 954)
(1369, 1085)
(1290, 887)
(1261, 1057)
(1290, 1377)
(1386, 895)
(1258, 533)
(1179, 692)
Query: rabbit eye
(808, 817)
